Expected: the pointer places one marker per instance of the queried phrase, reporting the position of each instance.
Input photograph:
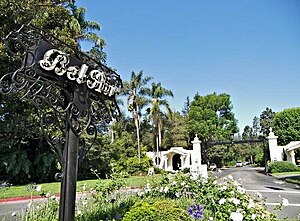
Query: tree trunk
(137, 125)
(159, 135)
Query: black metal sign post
(72, 92)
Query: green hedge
(282, 166)
(161, 210)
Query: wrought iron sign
(72, 92)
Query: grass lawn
(54, 188)
(286, 173)
(294, 176)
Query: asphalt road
(272, 189)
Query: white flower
(222, 188)
(235, 201)
(92, 191)
(141, 193)
(236, 183)
(215, 182)
(174, 183)
(253, 216)
(177, 195)
(236, 216)
(79, 212)
(251, 204)
(161, 189)
(210, 218)
(258, 194)
(38, 188)
(285, 202)
(183, 183)
(13, 214)
(148, 188)
(241, 190)
(166, 189)
(222, 201)
(29, 204)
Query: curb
(13, 199)
(22, 198)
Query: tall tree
(247, 133)
(158, 101)
(211, 117)
(135, 90)
(287, 125)
(56, 18)
(186, 106)
(256, 126)
(175, 130)
(86, 31)
(266, 120)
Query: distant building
(178, 158)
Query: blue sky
(249, 49)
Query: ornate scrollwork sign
(73, 93)
(48, 76)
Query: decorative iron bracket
(72, 92)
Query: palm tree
(135, 89)
(84, 30)
(157, 94)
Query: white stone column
(196, 156)
(293, 160)
(165, 162)
(182, 162)
(275, 151)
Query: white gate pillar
(276, 152)
(196, 159)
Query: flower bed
(175, 197)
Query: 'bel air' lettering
(57, 61)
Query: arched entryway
(176, 162)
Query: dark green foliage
(287, 125)
(24, 154)
(186, 170)
(142, 211)
(211, 117)
(133, 167)
(168, 210)
(282, 166)
(160, 210)
(175, 130)
(266, 121)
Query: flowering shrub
(225, 200)
(175, 197)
